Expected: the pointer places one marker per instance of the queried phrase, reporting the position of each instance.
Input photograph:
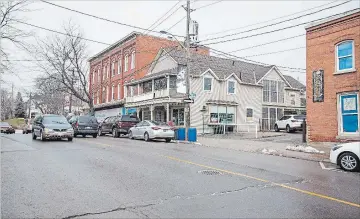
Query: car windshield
(55, 120)
(128, 118)
(4, 124)
(159, 123)
(300, 117)
(87, 119)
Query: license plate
(88, 127)
(165, 130)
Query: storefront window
(222, 114)
(178, 116)
(147, 86)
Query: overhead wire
(267, 21)
(272, 31)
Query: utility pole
(30, 105)
(187, 75)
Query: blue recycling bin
(192, 134)
(181, 134)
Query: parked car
(51, 126)
(6, 128)
(290, 123)
(84, 125)
(148, 130)
(117, 125)
(346, 155)
(28, 127)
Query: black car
(84, 125)
(117, 125)
(50, 126)
(6, 128)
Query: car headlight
(47, 130)
(334, 148)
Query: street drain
(210, 172)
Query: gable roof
(247, 72)
(294, 83)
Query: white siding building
(226, 92)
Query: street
(123, 178)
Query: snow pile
(306, 149)
(268, 151)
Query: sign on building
(318, 86)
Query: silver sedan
(148, 130)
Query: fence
(246, 129)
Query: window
(178, 116)
(160, 83)
(222, 114)
(249, 114)
(126, 63)
(292, 99)
(345, 56)
(231, 87)
(273, 91)
(147, 87)
(113, 68)
(113, 92)
(119, 66)
(107, 94)
(302, 101)
(118, 90)
(97, 97)
(207, 84)
(103, 97)
(104, 73)
(93, 77)
(99, 75)
(108, 71)
(132, 66)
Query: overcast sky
(215, 18)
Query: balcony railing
(148, 96)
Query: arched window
(132, 66)
(126, 67)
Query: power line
(204, 6)
(262, 22)
(280, 22)
(58, 32)
(164, 16)
(101, 18)
(272, 31)
(275, 52)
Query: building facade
(226, 93)
(126, 60)
(333, 78)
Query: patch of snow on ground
(306, 149)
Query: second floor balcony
(152, 86)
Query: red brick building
(333, 78)
(126, 60)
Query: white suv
(290, 123)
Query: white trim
(126, 64)
(113, 69)
(252, 118)
(227, 87)
(235, 76)
(120, 64)
(132, 61)
(203, 84)
(278, 72)
(339, 114)
(349, 70)
(211, 72)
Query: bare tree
(64, 59)
(5, 102)
(48, 96)
(10, 11)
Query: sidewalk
(273, 148)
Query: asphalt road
(122, 178)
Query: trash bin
(181, 134)
(192, 134)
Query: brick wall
(146, 48)
(322, 117)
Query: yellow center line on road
(267, 181)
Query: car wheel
(146, 137)
(75, 135)
(288, 130)
(131, 135)
(33, 135)
(70, 139)
(349, 161)
(84, 136)
(95, 136)
(23, 132)
(168, 140)
(277, 128)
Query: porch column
(152, 112)
(168, 112)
